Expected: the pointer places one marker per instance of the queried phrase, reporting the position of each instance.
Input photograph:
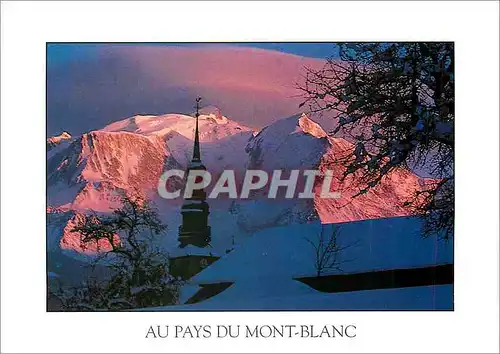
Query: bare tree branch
(395, 102)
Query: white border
(26, 327)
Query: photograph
(221, 177)
(250, 176)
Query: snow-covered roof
(263, 269)
(285, 252)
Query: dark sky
(313, 50)
(57, 53)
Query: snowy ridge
(222, 139)
(264, 267)
(56, 143)
(128, 156)
(54, 140)
(300, 143)
(87, 173)
(212, 126)
(287, 144)
(308, 126)
(384, 200)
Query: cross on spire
(198, 99)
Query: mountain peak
(63, 136)
(56, 140)
(311, 127)
(213, 113)
(211, 109)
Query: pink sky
(249, 85)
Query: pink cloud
(253, 86)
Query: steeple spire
(194, 229)
(196, 150)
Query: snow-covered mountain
(131, 154)
(89, 172)
(54, 141)
(299, 143)
(222, 139)
(128, 156)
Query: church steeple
(196, 149)
(194, 229)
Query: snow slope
(128, 156)
(300, 143)
(222, 140)
(294, 296)
(91, 170)
(53, 141)
(263, 269)
(285, 252)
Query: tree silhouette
(395, 101)
(139, 270)
(327, 250)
